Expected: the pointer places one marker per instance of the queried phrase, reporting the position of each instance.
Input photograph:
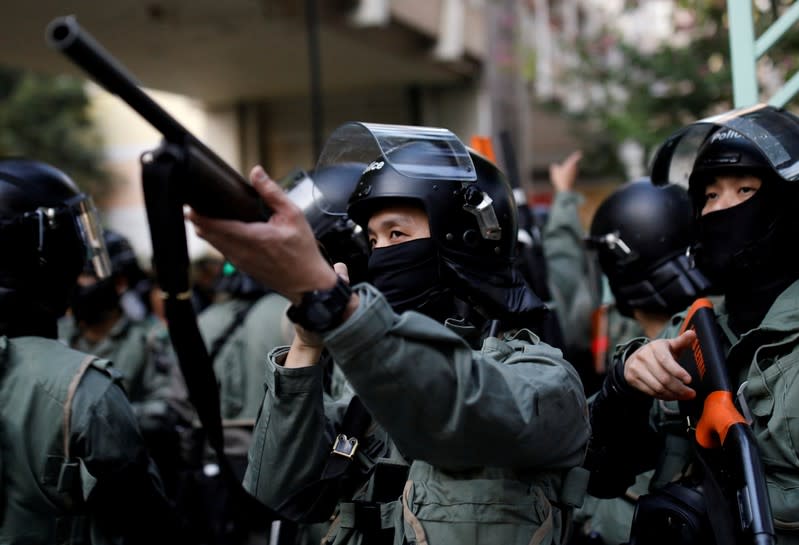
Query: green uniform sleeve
(293, 438)
(563, 245)
(517, 404)
(572, 272)
(287, 451)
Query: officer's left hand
(281, 253)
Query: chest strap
(73, 386)
(336, 481)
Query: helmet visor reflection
(91, 231)
(774, 132)
(303, 191)
(372, 144)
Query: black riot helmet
(126, 287)
(48, 231)
(468, 202)
(726, 153)
(772, 132)
(323, 194)
(642, 234)
(744, 249)
(121, 254)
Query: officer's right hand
(653, 368)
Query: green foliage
(646, 96)
(46, 118)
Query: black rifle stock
(720, 425)
(211, 186)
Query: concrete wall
(286, 124)
(127, 136)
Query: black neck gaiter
(745, 251)
(409, 276)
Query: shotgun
(719, 425)
(211, 186)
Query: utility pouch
(371, 519)
(575, 485)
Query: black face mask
(734, 242)
(93, 304)
(745, 252)
(409, 276)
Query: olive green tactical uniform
(490, 434)
(767, 360)
(90, 488)
(240, 361)
(142, 353)
(566, 262)
(573, 281)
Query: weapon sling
(162, 176)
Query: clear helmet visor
(91, 231)
(773, 131)
(371, 144)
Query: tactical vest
(44, 485)
(474, 506)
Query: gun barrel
(741, 450)
(217, 189)
(66, 35)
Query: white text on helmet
(375, 165)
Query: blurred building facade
(459, 64)
(239, 75)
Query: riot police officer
(642, 236)
(74, 465)
(490, 434)
(141, 352)
(742, 180)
